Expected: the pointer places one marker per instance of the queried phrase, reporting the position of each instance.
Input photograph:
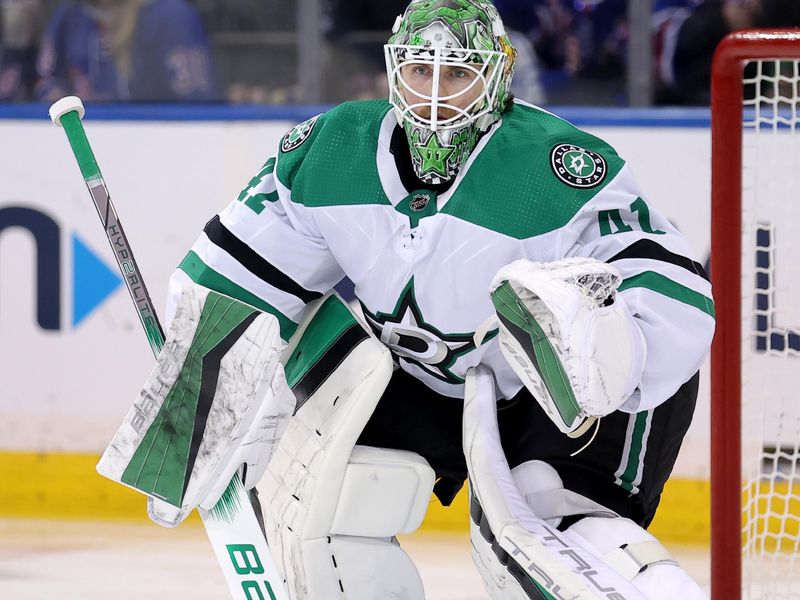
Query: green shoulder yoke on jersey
(534, 175)
(332, 161)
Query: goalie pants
(624, 468)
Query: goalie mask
(449, 64)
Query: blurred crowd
(245, 51)
(105, 50)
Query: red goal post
(727, 116)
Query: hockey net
(755, 468)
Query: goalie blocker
(216, 399)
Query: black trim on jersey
(253, 262)
(524, 580)
(328, 363)
(655, 251)
(209, 375)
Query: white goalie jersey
(331, 205)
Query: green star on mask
(434, 156)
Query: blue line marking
(672, 117)
(581, 116)
(170, 112)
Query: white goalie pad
(384, 493)
(637, 556)
(518, 554)
(332, 509)
(216, 399)
(544, 493)
(569, 336)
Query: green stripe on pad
(159, 464)
(204, 275)
(666, 287)
(542, 590)
(331, 320)
(545, 359)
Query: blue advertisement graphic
(93, 281)
(47, 236)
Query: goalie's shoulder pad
(570, 160)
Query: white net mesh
(771, 330)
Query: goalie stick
(232, 525)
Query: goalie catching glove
(570, 337)
(216, 399)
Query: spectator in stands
(526, 84)
(780, 13)
(366, 59)
(699, 34)
(603, 34)
(126, 50)
(246, 15)
(576, 42)
(668, 18)
(551, 25)
(19, 43)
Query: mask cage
(486, 65)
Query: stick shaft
(235, 535)
(114, 232)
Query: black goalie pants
(624, 468)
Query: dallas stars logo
(578, 167)
(433, 155)
(413, 340)
(298, 135)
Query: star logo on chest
(434, 156)
(414, 341)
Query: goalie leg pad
(514, 515)
(385, 493)
(332, 508)
(637, 556)
(545, 494)
(217, 398)
(518, 554)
